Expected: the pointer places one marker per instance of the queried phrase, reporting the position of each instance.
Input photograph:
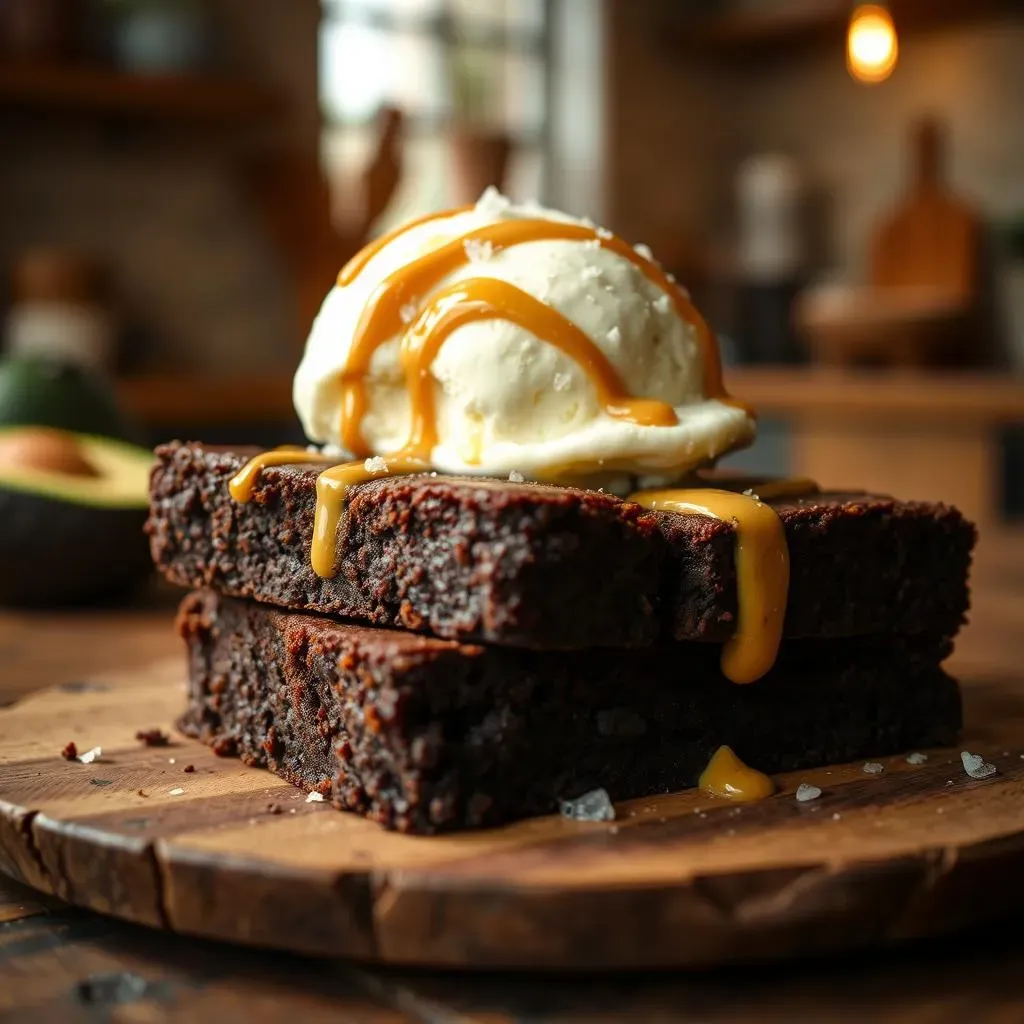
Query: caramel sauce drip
(795, 487)
(762, 572)
(351, 269)
(766, 490)
(243, 483)
(332, 487)
(491, 299)
(727, 776)
(382, 319)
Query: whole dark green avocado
(72, 509)
(40, 392)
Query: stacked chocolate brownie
(486, 648)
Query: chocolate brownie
(424, 735)
(549, 567)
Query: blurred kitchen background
(840, 186)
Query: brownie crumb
(141, 792)
(153, 737)
(275, 809)
(70, 752)
(451, 717)
(189, 768)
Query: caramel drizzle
(243, 483)
(762, 572)
(727, 776)
(382, 320)
(332, 487)
(352, 269)
(493, 299)
(766, 490)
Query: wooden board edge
(431, 919)
(706, 920)
(239, 899)
(19, 857)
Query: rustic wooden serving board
(677, 880)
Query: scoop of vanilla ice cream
(507, 401)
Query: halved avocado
(72, 508)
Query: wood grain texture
(70, 965)
(677, 880)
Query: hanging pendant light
(871, 44)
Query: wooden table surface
(58, 963)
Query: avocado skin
(43, 393)
(58, 553)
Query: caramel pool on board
(728, 777)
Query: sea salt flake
(805, 792)
(515, 477)
(177, 791)
(592, 243)
(873, 768)
(478, 250)
(976, 766)
(170, 760)
(593, 806)
(376, 464)
(492, 203)
(916, 758)
(315, 798)
(589, 273)
(604, 233)
(836, 816)
(615, 335)
(663, 304)
(407, 312)
(643, 250)
(563, 382)
(90, 755)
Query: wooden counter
(929, 437)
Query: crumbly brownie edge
(556, 568)
(549, 567)
(868, 565)
(426, 735)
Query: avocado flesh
(121, 481)
(69, 539)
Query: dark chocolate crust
(425, 735)
(548, 567)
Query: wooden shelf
(832, 394)
(784, 392)
(177, 401)
(114, 93)
(796, 22)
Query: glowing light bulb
(871, 46)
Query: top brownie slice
(548, 567)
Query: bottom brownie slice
(424, 735)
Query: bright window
(439, 61)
